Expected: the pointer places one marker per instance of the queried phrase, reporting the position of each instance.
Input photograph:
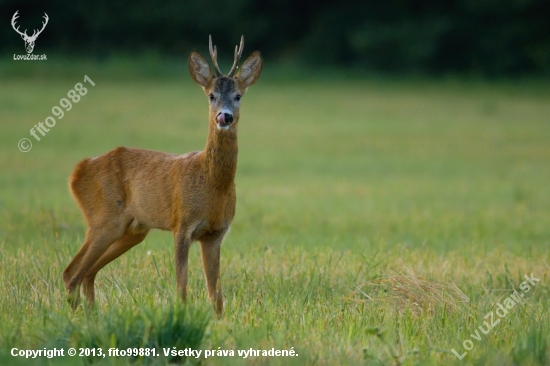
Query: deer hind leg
(129, 240)
(98, 239)
(68, 273)
(210, 251)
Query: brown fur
(126, 192)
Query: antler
(238, 54)
(214, 56)
(15, 16)
(24, 34)
(43, 26)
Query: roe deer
(126, 192)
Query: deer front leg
(210, 251)
(183, 242)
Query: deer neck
(220, 157)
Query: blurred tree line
(489, 37)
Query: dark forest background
(469, 37)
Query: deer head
(225, 91)
(29, 40)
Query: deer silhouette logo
(29, 40)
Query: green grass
(359, 204)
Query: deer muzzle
(224, 119)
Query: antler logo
(29, 41)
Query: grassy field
(377, 223)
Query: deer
(126, 192)
(29, 41)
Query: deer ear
(199, 69)
(250, 70)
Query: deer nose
(224, 118)
(228, 118)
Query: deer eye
(211, 97)
(238, 97)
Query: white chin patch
(224, 128)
